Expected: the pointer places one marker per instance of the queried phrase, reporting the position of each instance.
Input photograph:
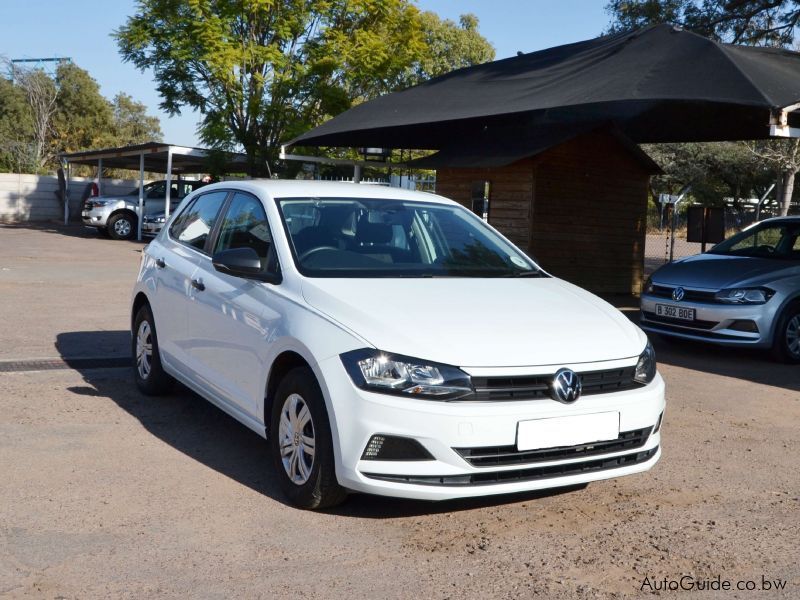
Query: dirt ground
(108, 494)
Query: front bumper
(151, 227)
(447, 429)
(715, 323)
(97, 217)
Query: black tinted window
(196, 221)
(245, 226)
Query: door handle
(198, 285)
(160, 263)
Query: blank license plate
(675, 312)
(567, 431)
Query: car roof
(789, 219)
(293, 188)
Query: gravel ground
(107, 493)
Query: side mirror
(242, 262)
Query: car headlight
(646, 367)
(386, 373)
(744, 295)
(648, 285)
(99, 203)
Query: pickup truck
(116, 215)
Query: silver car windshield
(360, 237)
(770, 240)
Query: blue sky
(81, 29)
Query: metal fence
(664, 237)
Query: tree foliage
(42, 116)
(756, 22)
(263, 71)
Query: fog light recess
(391, 447)
(658, 423)
(744, 325)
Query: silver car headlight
(757, 295)
(646, 367)
(386, 373)
(100, 203)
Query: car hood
(479, 322)
(717, 271)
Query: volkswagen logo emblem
(678, 293)
(566, 386)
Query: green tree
(450, 46)
(16, 129)
(261, 71)
(132, 124)
(83, 118)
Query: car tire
(150, 376)
(786, 343)
(298, 417)
(122, 226)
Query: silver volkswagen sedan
(745, 291)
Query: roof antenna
(520, 53)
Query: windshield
(336, 237)
(770, 240)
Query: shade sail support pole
(169, 185)
(141, 198)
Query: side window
(196, 221)
(157, 189)
(245, 226)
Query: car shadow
(206, 434)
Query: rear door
(231, 320)
(177, 254)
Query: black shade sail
(658, 84)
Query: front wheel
(786, 345)
(301, 443)
(122, 226)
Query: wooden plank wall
(589, 214)
(579, 209)
(509, 196)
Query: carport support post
(356, 173)
(66, 193)
(99, 176)
(169, 183)
(141, 198)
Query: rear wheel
(122, 226)
(786, 345)
(301, 443)
(150, 377)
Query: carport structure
(549, 138)
(154, 157)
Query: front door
(231, 319)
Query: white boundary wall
(25, 198)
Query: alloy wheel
(144, 349)
(296, 439)
(122, 228)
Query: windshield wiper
(525, 274)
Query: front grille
(663, 291)
(534, 387)
(497, 456)
(696, 324)
(522, 475)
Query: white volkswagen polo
(390, 342)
